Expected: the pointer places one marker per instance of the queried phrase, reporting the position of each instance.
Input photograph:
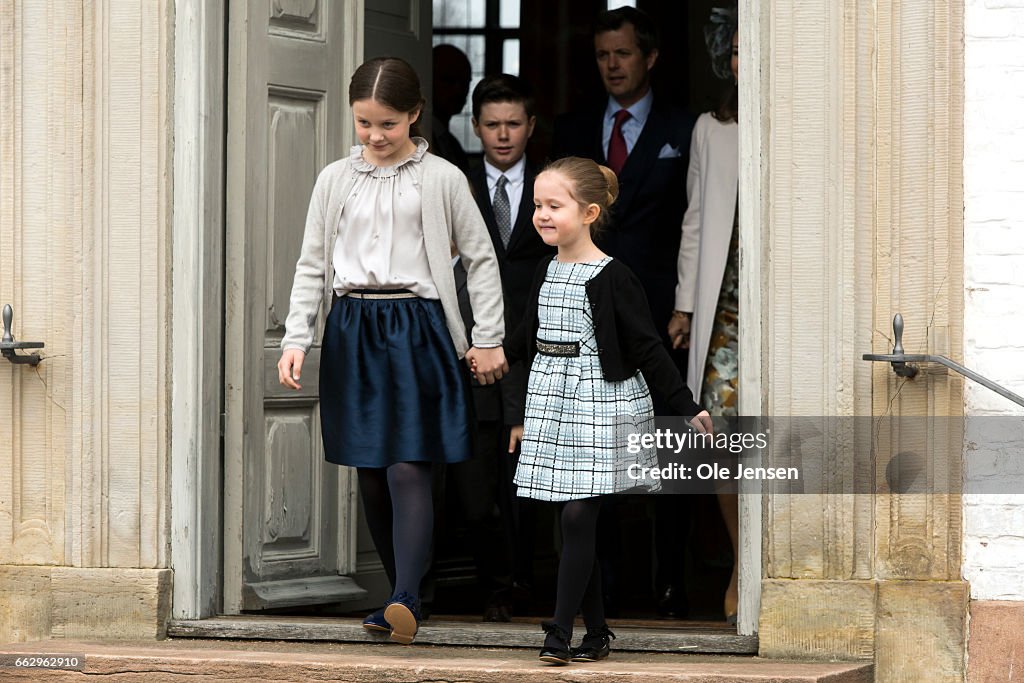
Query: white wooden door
(289, 516)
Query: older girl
(376, 252)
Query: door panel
(402, 28)
(289, 515)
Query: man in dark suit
(503, 119)
(647, 143)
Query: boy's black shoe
(596, 645)
(556, 644)
(499, 606)
(672, 602)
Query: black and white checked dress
(577, 423)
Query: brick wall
(994, 281)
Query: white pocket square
(669, 152)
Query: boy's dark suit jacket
(645, 227)
(517, 264)
(486, 399)
(525, 249)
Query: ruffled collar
(361, 164)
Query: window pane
(509, 14)
(472, 46)
(460, 13)
(510, 56)
(461, 125)
(612, 4)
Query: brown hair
(644, 28)
(729, 105)
(591, 184)
(390, 81)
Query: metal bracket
(9, 347)
(902, 363)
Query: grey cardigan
(450, 214)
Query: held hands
(702, 423)
(487, 365)
(679, 330)
(515, 438)
(289, 368)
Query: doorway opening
(555, 53)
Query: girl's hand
(679, 330)
(515, 438)
(702, 423)
(289, 368)
(488, 365)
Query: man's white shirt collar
(639, 110)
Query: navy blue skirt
(391, 387)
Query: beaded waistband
(566, 349)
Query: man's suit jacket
(645, 220)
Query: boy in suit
(503, 119)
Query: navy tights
(400, 513)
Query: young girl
(376, 252)
(587, 331)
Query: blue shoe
(377, 622)
(403, 616)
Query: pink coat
(711, 189)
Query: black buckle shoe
(596, 645)
(556, 645)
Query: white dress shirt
(516, 179)
(633, 126)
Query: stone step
(176, 659)
(702, 639)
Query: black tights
(400, 514)
(579, 576)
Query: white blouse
(380, 235)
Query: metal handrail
(902, 363)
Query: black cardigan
(627, 340)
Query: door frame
(199, 113)
(197, 307)
(754, 21)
